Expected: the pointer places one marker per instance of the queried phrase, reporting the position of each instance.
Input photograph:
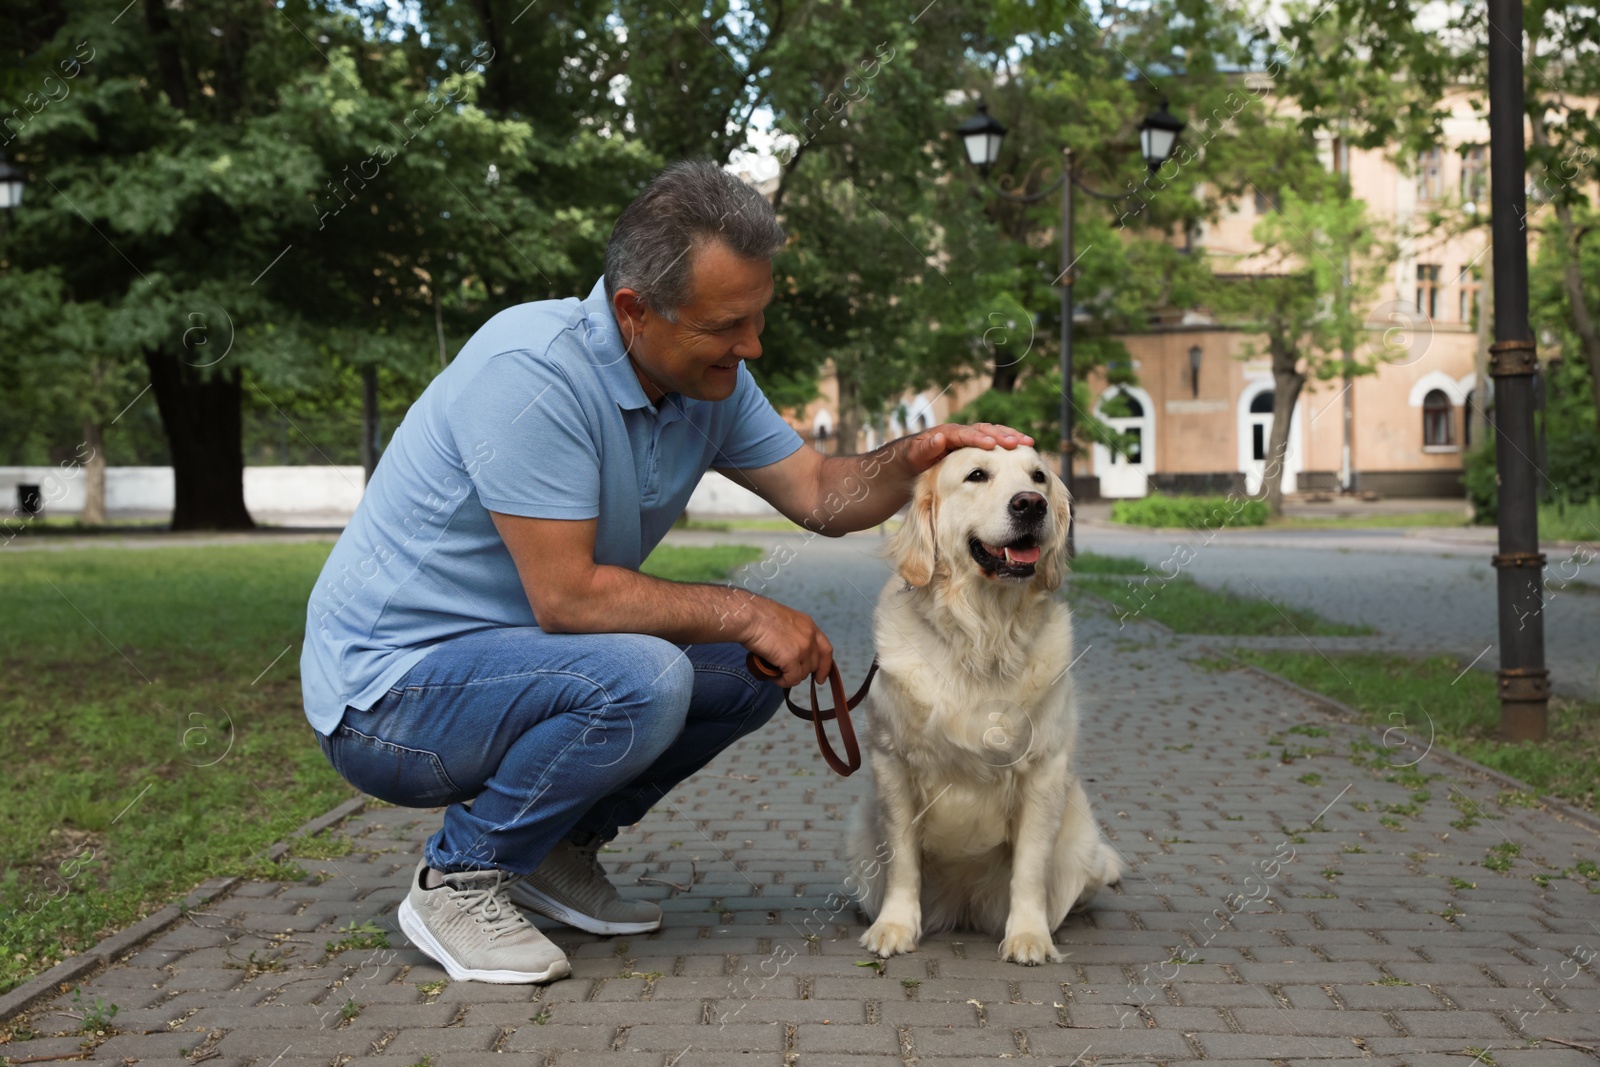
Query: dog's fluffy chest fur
(971, 712)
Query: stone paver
(1333, 907)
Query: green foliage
(1189, 512)
(362, 936)
(93, 1018)
(1572, 457)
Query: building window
(1438, 420)
(1260, 404)
(1471, 282)
(1428, 289)
(1430, 174)
(1475, 175)
(1267, 202)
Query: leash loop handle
(840, 711)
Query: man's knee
(648, 702)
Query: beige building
(1206, 429)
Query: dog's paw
(1031, 949)
(886, 938)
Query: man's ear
(1052, 567)
(629, 307)
(915, 551)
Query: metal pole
(1066, 347)
(1524, 681)
(1347, 478)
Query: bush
(1206, 512)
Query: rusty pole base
(1524, 704)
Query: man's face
(698, 356)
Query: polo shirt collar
(604, 338)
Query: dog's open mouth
(1015, 560)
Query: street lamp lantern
(12, 181)
(982, 134)
(1158, 133)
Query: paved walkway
(1299, 892)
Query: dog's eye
(978, 475)
(1038, 476)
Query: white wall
(267, 490)
(329, 494)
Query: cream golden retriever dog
(976, 818)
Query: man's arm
(841, 494)
(570, 593)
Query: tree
(1298, 295)
(211, 160)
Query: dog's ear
(1052, 569)
(915, 550)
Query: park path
(1300, 890)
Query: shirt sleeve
(525, 441)
(756, 434)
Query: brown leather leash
(841, 711)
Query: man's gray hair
(686, 206)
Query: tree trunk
(1287, 382)
(94, 475)
(1005, 376)
(201, 417)
(849, 412)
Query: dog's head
(996, 514)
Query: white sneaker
(471, 928)
(571, 887)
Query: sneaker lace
(489, 906)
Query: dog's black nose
(1028, 506)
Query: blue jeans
(528, 736)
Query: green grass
(698, 564)
(1570, 522)
(1187, 607)
(1460, 711)
(150, 701)
(1370, 522)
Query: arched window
(1260, 404)
(1438, 420)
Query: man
(481, 637)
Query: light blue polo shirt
(540, 415)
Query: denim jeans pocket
(409, 777)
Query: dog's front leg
(899, 922)
(1044, 801)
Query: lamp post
(1524, 680)
(982, 135)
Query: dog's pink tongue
(1016, 555)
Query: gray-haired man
(481, 637)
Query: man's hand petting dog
(930, 446)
